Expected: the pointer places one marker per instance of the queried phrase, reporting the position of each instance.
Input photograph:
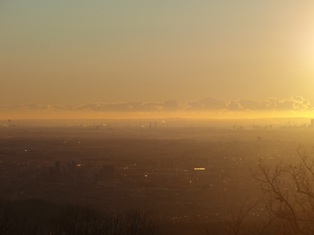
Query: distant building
(312, 123)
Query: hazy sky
(74, 51)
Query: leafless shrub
(240, 218)
(288, 191)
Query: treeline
(36, 217)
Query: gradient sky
(75, 51)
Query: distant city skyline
(205, 108)
(77, 52)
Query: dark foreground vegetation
(36, 217)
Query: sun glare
(305, 53)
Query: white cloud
(206, 104)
